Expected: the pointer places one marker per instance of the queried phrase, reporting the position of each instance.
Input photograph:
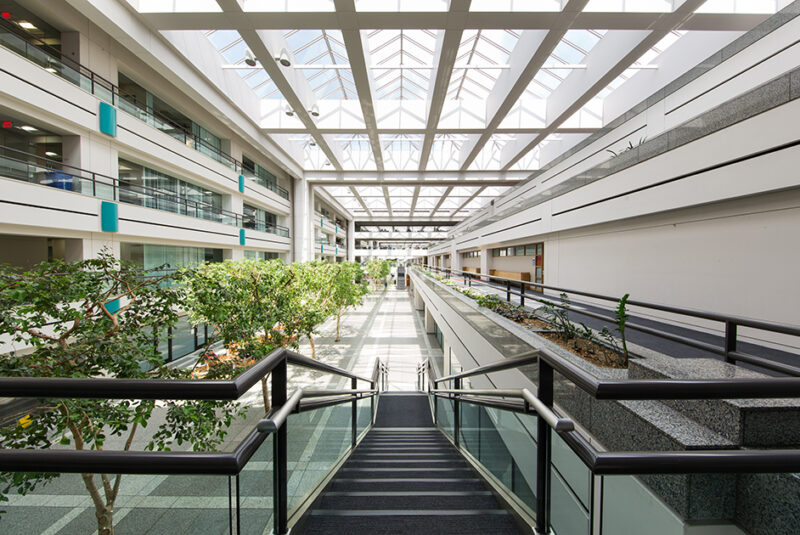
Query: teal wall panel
(108, 119)
(241, 236)
(109, 217)
(241, 184)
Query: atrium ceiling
(426, 110)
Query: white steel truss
(414, 109)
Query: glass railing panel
(444, 415)
(567, 514)
(255, 505)
(364, 414)
(317, 440)
(144, 504)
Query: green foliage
(558, 316)
(62, 314)
(622, 319)
(629, 146)
(378, 269)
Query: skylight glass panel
(515, 5)
(636, 6)
(401, 62)
(740, 6)
(288, 6)
(482, 55)
(569, 54)
(234, 50)
(318, 53)
(356, 152)
(402, 5)
(445, 152)
(401, 151)
(490, 154)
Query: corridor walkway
(385, 326)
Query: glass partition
(317, 440)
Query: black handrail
(212, 463)
(731, 322)
(118, 96)
(619, 462)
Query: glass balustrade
(53, 174)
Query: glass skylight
(318, 53)
(482, 55)
(401, 62)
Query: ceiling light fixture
(249, 58)
(283, 58)
(314, 111)
(27, 25)
(29, 128)
(289, 111)
(312, 143)
(51, 154)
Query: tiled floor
(385, 326)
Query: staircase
(405, 477)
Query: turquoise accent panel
(321, 248)
(112, 306)
(241, 236)
(241, 184)
(108, 119)
(109, 217)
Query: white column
(455, 259)
(351, 240)
(486, 255)
(303, 230)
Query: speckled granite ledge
(746, 422)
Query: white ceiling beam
(358, 197)
(349, 132)
(406, 20)
(529, 55)
(266, 45)
(442, 199)
(359, 64)
(470, 199)
(614, 53)
(447, 43)
(414, 199)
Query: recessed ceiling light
(27, 25)
(29, 128)
(51, 69)
(51, 154)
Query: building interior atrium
(399, 267)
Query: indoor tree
(94, 318)
(349, 288)
(312, 297)
(378, 269)
(248, 303)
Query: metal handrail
(528, 357)
(553, 420)
(731, 323)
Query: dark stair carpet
(405, 478)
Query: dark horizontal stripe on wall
(684, 176)
(726, 80)
(91, 214)
(264, 240)
(511, 227)
(179, 228)
(235, 181)
(59, 97)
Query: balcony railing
(58, 175)
(267, 183)
(28, 46)
(272, 229)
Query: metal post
(508, 291)
(279, 457)
(372, 402)
(456, 412)
(522, 294)
(730, 341)
(354, 411)
(545, 395)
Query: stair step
(412, 493)
(394, 524)
(406, 484)
(410, 501)
(408, 512)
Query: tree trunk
(105, 521)
(338, 321)
(265, 393)
(313, 349)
